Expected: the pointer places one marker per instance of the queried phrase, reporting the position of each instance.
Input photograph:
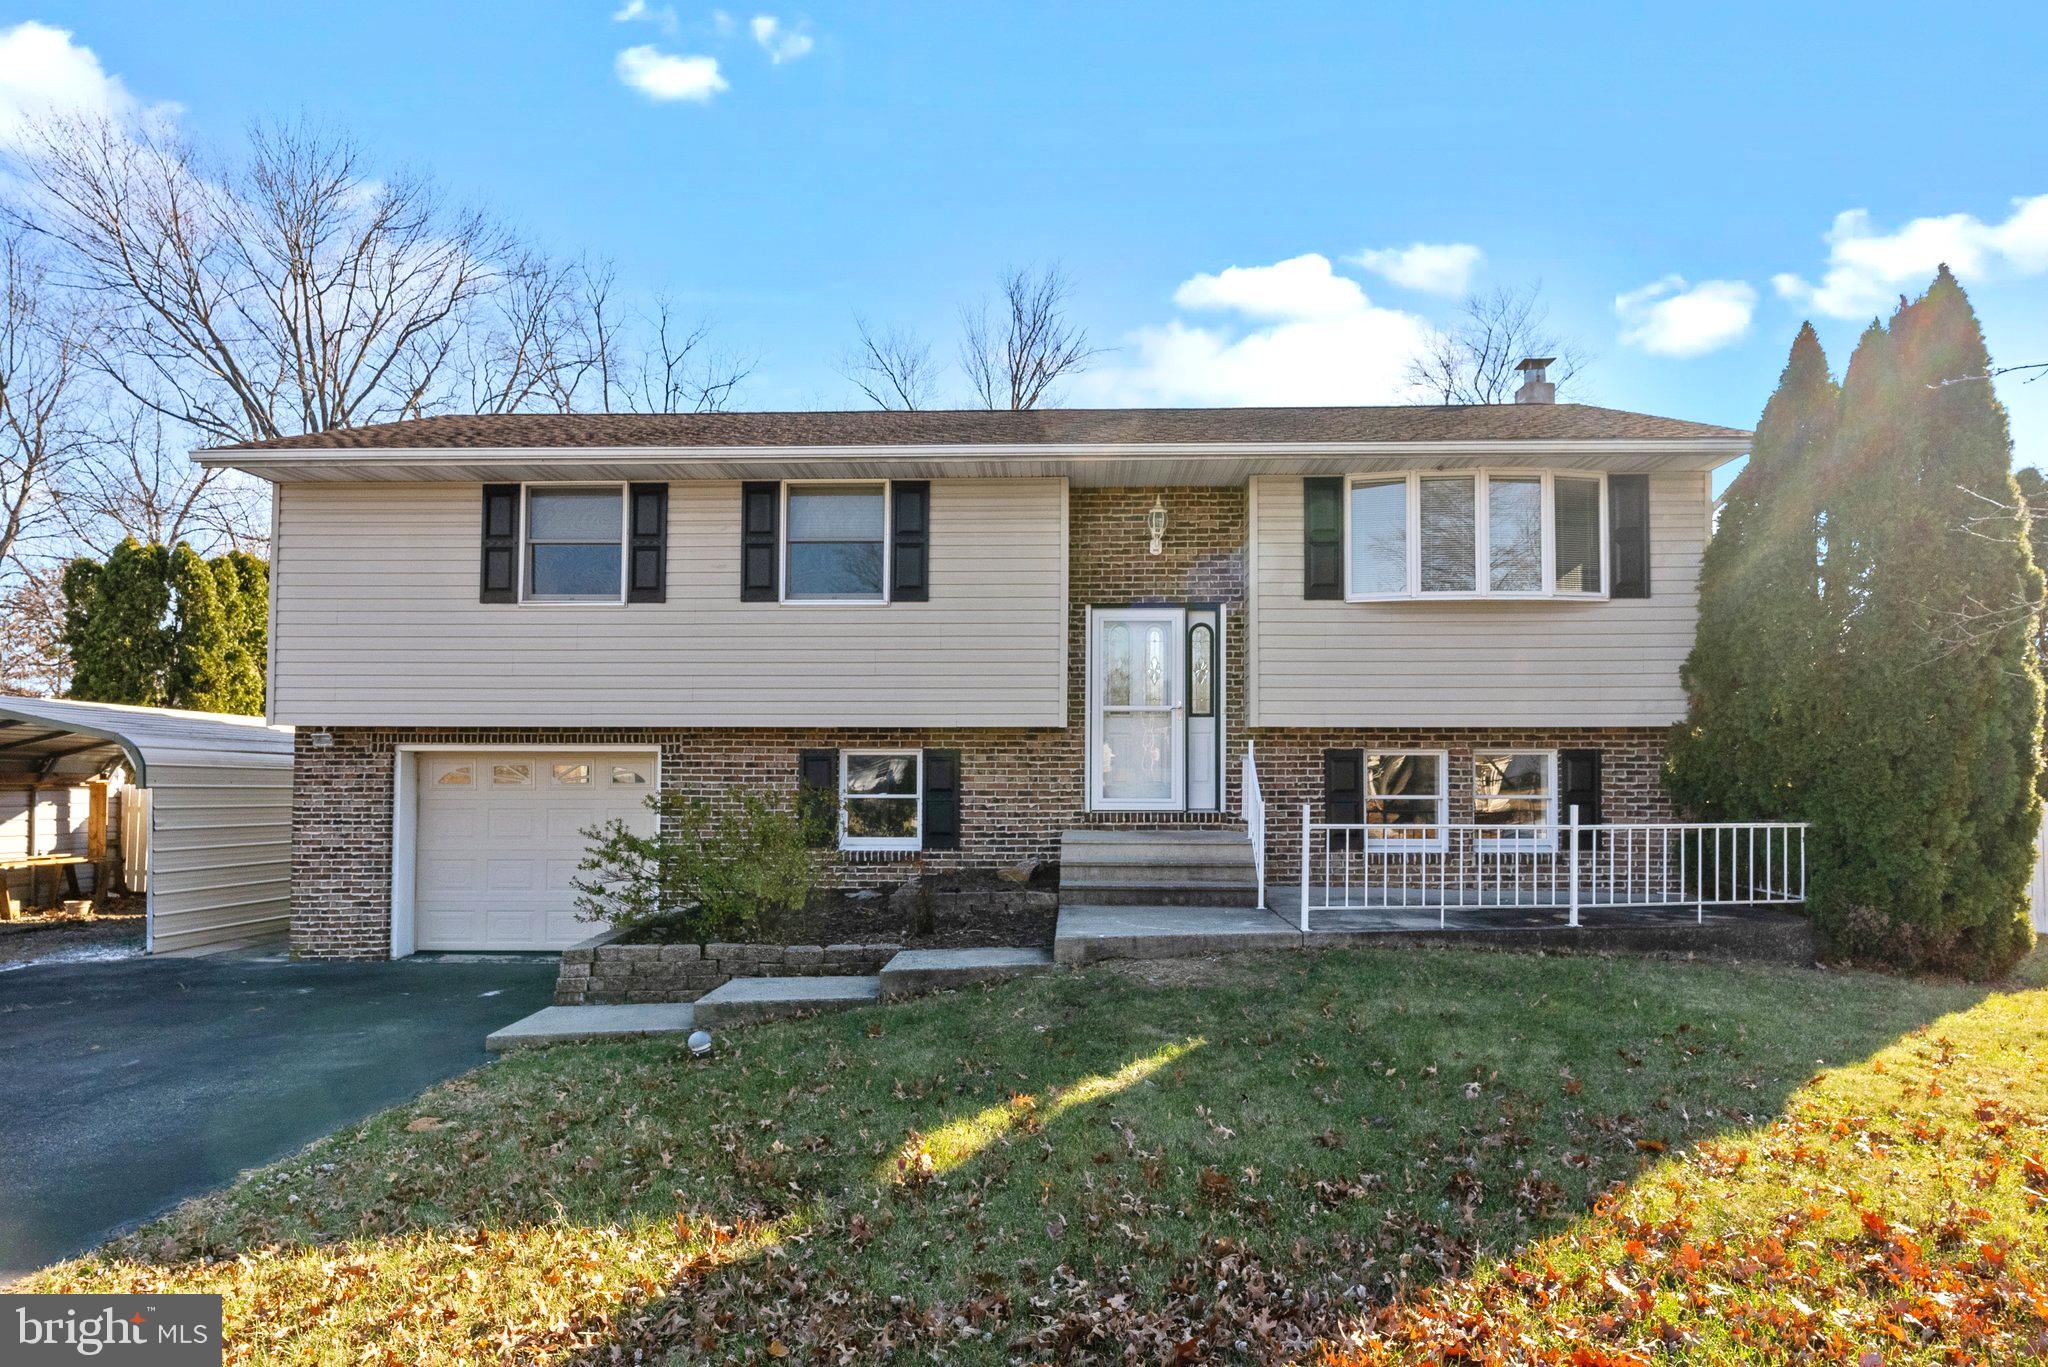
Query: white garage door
(499, 835)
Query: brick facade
(1019, 787)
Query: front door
(1137, 754)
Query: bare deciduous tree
(1473, 360)
(294, 293)
(671, 367)
(894, 368)
(1015, 353)
(33, 660)
(41, 427)
(138, 482)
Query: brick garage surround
(1019, 787)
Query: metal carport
(217, 790)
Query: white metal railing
(1252, 807)
(1568, 865)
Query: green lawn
(1363, 1157)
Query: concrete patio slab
(573, 1024)
(915, 971)
(745, 1000)
(1088, 933)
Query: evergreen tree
(248, 628)
(1742, 752)
(199, 677)
(1923, 805)
(117, 625)
(166, 628)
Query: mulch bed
(864, 916)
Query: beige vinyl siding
(220, 853)
(1475, 663)
(377, 623)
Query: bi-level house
(968, 635)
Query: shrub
(709, 870)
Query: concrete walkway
(1088, 934)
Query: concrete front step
(742, 1001)
(1086, 892)
(1159, 931)
(582, 1024)
(1191, 848)
(1162, 875)
(916, 971)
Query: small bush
(709, 872)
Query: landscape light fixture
(700, 1043)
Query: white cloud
(1868, 268)
(781, 44)
(1668, 317)
(45, 71)
(665, 76)
(1299, 287)
(663, 16)
(1431, 267)
(1317, 339)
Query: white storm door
(1137, 753)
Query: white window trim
(1481, 536)
(1545, 840)
(526, 598)
(893, 843)
(1437, 843)
(782, 543)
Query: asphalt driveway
(128, 1086)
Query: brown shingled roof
(1037, 427)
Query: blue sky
(1676, 180)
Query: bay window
(1489, 534)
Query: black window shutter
(1344, 787)
(817, 795)
(647, 544)
(942, 799)
(910, 536)
(760, 514)
(1628, 523)
(1578, 785)
(500, 579)
(1322, 538)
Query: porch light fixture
(1155, 523)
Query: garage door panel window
(628, 776)
(575, 544)
(455, 776)
(511, 775)
(880, 799)
(571, 774)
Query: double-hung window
(837, 543)
(1488, 534)
(1514, 796)
(575, 539)
(881, 799)
(1406, 797)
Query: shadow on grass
(1068, 1166)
